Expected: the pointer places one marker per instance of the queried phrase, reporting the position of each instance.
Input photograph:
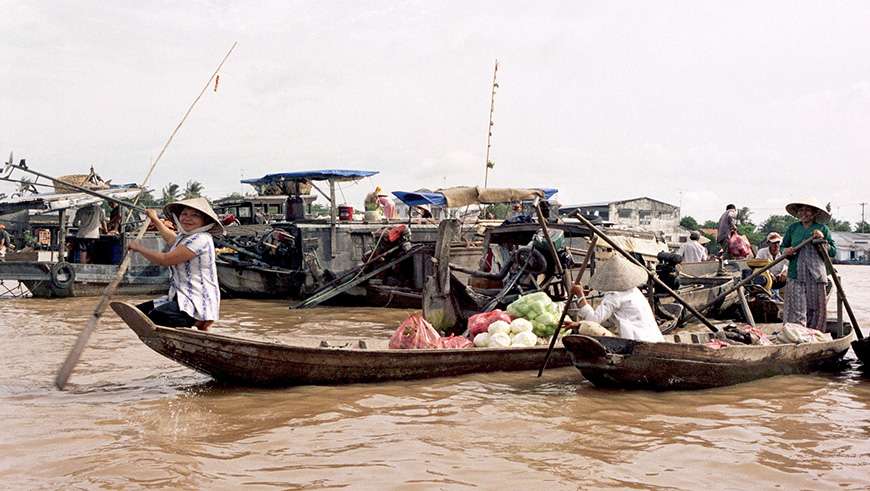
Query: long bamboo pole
(81, 342)
(836, 278)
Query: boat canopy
(311, 175)
(462, 196)
(62, 201)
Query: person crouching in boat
(805, 299)
(618, 279)
(194, 296)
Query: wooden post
(61, 237)
(745, 306)
(332, 218)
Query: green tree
(147, 200)
(193, 189)
(710, 224)
(862, 227)
(777, 223)
(743, 215)
(170, 194)
(839, 225)
(689, 223)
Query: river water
(132, 419)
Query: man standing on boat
(618, 279)
(773, 252)
(692, 251)
(5, 241)
(90, 220)
(727, 227)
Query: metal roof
(311, 175)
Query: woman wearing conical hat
(194, 296)
(618, 279)
(805, 296)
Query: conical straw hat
(199, 204)
(821, 217)
(617, 274)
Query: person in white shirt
(194, 295)
(692, 251)
(773, 252)
(619, 279)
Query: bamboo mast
(490, 164)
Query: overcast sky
(693, 103)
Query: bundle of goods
(416, 333)
(540, 310)
(797, 334)
(501, 334)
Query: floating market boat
(248, 362)
(686, 362)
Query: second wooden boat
(686, 362)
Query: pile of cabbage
(539, 309)
(500, 334)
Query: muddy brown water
(132, 419)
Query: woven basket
(81, 180)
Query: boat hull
(248, 362)
(88, 279)
(622, 363)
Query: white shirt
(633, 315)
(764, 253)
(89, 219)
(194, 283)
(693, 252)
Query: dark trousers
(168, 314)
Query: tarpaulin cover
(311, 175)
(462, 196)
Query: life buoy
(62, 275)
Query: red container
(345, 213)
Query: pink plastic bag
(738, 246)
(415, 333)
(456, 342)
(479, 323)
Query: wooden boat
(685, 362)
(248, 362)
(861, 347)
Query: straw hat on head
(822, 215)
(617, 274)
(774, 238)
(199, 204)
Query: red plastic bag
(415, 333)
(479, 323)
(455, 342)
(738, 246)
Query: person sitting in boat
(5, 241)
(113, 226)
(805, 296)
(773, 252)
(194, 296)
(618, 279)
(692, 251)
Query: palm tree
(170, 193)
(193, 189)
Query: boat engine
(667, 271)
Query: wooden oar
(577, 281)
(651, 274)
(840, 290)
(748, 279)
(82, 341)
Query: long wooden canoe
(687, 363)
(248, 362)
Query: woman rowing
(194, 295)
(805, 298)
(618, 279)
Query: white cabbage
(520, 325)
(499, 340)
(524, 339)
(481, 340)
(499, 327)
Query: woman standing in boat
(194, 295)
(618, 279)
(805, 297)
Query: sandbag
(479, 323)
(590, 328)
(738, 246)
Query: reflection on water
(133, 419)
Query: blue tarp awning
(312, 175)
